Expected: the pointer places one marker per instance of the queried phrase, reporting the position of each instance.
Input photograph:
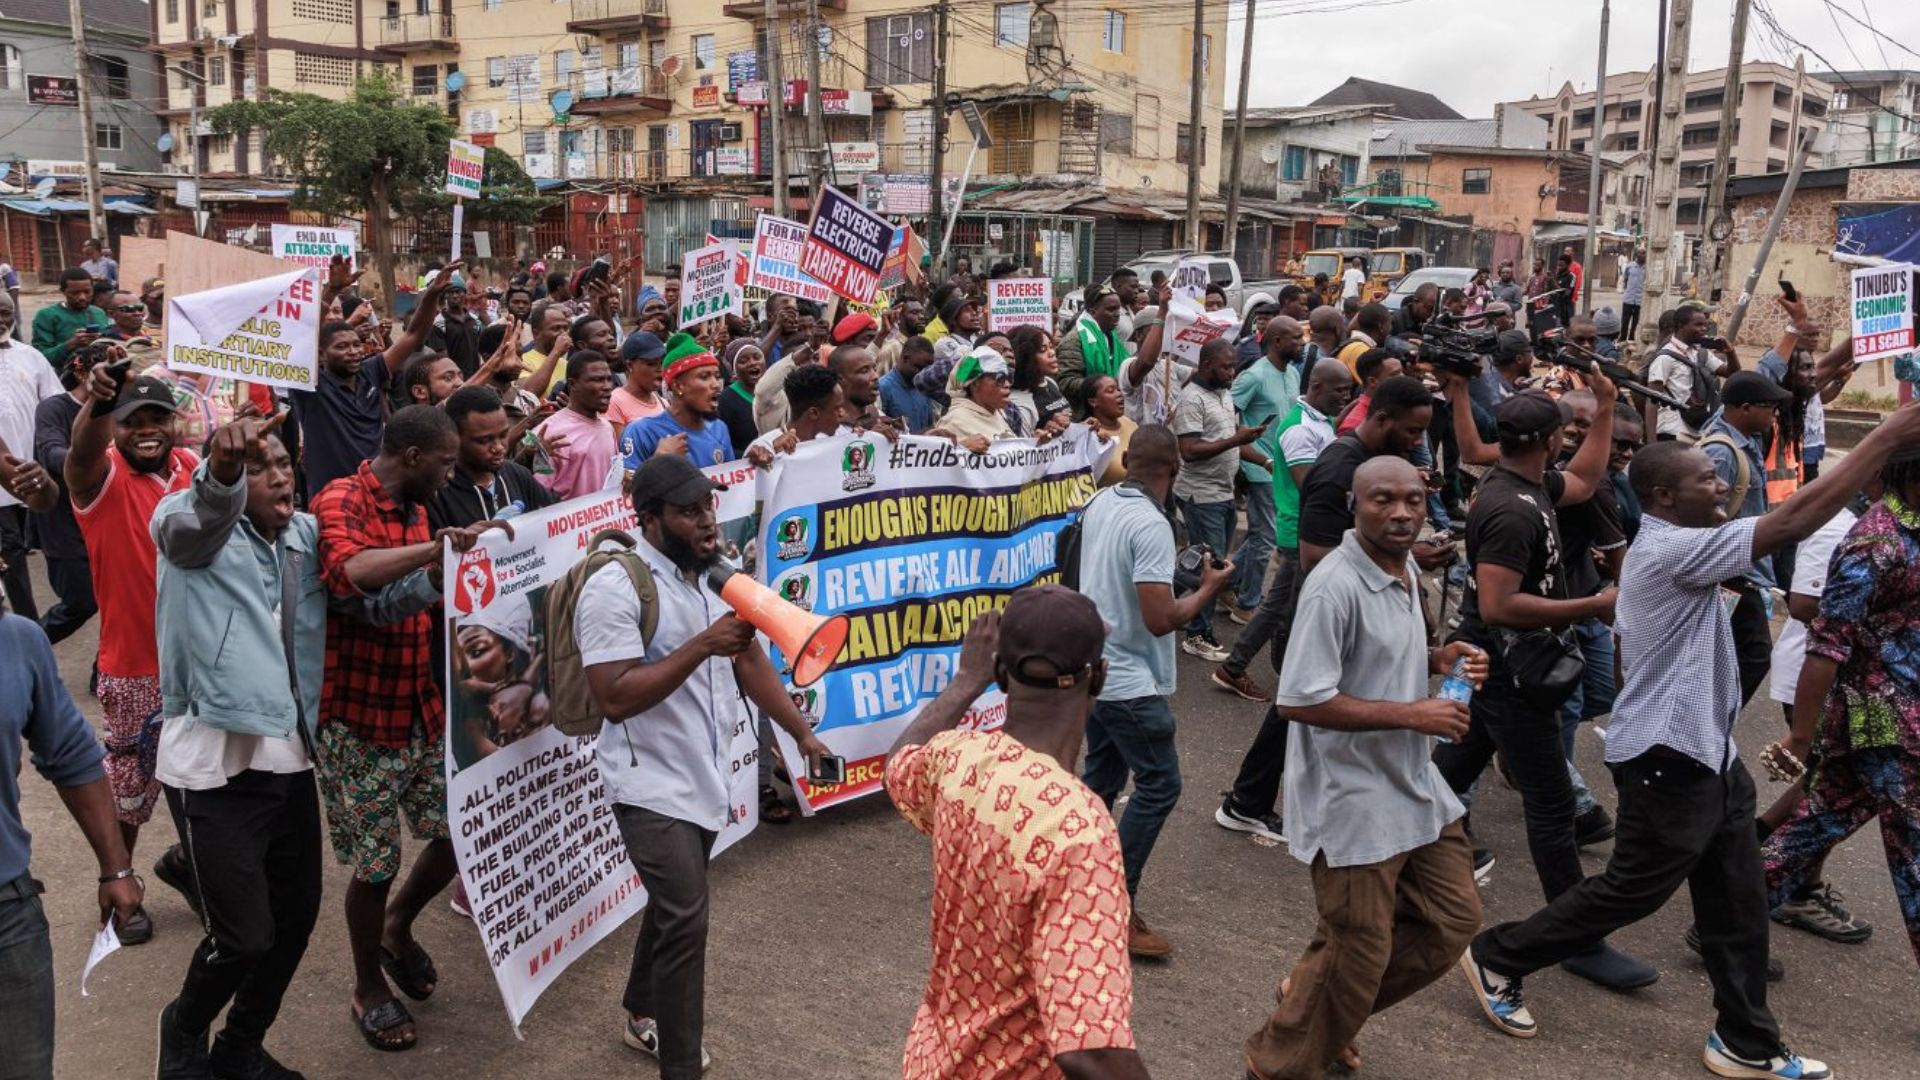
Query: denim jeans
(1592, 699)
(1256, 548)
(1134, 737)
(1422, 458)
(1210, 524)
(26, 984)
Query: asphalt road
(819, 950)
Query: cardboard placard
(1881, 312)
(263, 331)
(312, 245)
(846, 246)
(708, 287)
(466, 164)
(1015, 302)
(775, 266)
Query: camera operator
(1518, 607)
(1688, 366)
(1417, 311)
(1506, 370)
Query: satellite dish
(670, 65)
(164, 143)
(455, 80)
(562, 102)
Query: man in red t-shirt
(121, 463)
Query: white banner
(1190, 280)
(312, 245)
(1015, 302)
(264, 331)
(709, 284)
(546, 871)
(1189, 327)
(912, 540)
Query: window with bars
(1293, 163)
(426, 80)
(1181, 150)
(533, 142)
(330, 11)
(173, 11)
(216, 71)
(900, 50)
(1012, 129)
(110, 74)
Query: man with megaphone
(667, 686)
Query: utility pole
(1715, 250)
(937, 202)
(1596, 171)
(1803, 143)
(193, 135)
(1196, 143)
(777, 110)
(83, 78)
(1239, 132)
(1665, 183)
(816, 123)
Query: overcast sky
(1475, 53)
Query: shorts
(130, 708)
(367, 788)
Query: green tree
(373, 152)
(507, 194)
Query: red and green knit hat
(684, 354)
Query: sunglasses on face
(1626, 444)
(129, 309)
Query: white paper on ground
(104, 944)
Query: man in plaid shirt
(379, 751)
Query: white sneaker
(1204, 649)
(1786, 1065)
(644, 1036)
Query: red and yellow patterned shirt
(1029, 911)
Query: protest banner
(466, 165)
(775, 266)
(1015, 302)
(1882, 312)
(912, 540)
(264, 331)
(1190, 280)
(312, 245)
(1189, 326)
(546, 871)
(708, 288)
(846, 246)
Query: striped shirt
(1682, 678)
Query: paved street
(819, 949)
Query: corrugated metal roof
(1399, 138)
(127, 16)
(49, 207)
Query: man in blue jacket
(241, 618)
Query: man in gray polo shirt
(1366, 808)
(1686, 801)
(664, 759)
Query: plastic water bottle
(1455, 687)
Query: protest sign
(312, 245)
(775, 266)
(264, 331)
(708, 288)
(1190, 280)
(1882, 312)
(912, 540)
(1015, 302)
(1189, 326)
(893, 272)
(846, 246)
(546, 871)
(733, 252)
(466, 164)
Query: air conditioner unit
(729, 132)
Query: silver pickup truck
(1221, 271)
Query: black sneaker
(173, 870)
(180, 1056)
(135, 929)
(1775, 969)
(1232, 817)
(1483, 861)
(1593, 826)
(230, 1062)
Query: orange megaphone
(809, 642)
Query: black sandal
(381, 1019)
(412, 971)
(774, 811)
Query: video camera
(1581, 359)
(1457, 349)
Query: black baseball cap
(1753, 388)
(671, 479)
(643, 346)
(1528, 416)
(145, 392)
(1513, 343)
(1051, 636)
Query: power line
(1765, 11)
(1874, 30)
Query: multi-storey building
(39, 91)
(1874, 116)
(1769, 99)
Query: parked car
(1447, 277)
(1221, 271)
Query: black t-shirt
(1585, 528)
(1512, 524)
(1326, 510)
(737, 413)
(461, 502)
